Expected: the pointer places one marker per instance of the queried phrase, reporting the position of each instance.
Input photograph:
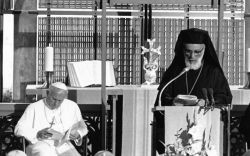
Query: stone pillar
(247, 36)
(8, 56)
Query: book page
(110, 74)
(97, 72)
(86, 73)
(61, 138)
(55, 135)
(72, 76)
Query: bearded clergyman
(193, 50)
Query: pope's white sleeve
(82, 130)
(24, 126)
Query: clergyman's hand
(74, 135)
(201, 102)
(43, 134)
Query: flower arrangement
(191, 142)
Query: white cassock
(38, 116)
(16, 153)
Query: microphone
(204, 92)
(183, 71)
(211, 94)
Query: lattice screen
(76, 38)
(166, 32)
(73, 40)
(233, 50)
(67, 4)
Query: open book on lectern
(87, 73)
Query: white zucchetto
(59, 85)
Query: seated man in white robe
(50, 123)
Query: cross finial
(151, 48)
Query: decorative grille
(66, 4)
(166, 32)
(73, 39)
(77, 38)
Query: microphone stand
(204, 92)
(211, 93)
(184, 71)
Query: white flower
(196, 132)
(196, 147)
(211, 151)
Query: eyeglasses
(196, 52)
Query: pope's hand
(43, 134)
(74, 135)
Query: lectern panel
(193, 130)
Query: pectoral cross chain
(52, 122)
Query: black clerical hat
(194, 35)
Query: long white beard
(193, 64)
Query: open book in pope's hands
(86, 73)
(61, 138)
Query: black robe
(212, 76)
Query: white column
(247, 64)
(8, 54)
(247, 38)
